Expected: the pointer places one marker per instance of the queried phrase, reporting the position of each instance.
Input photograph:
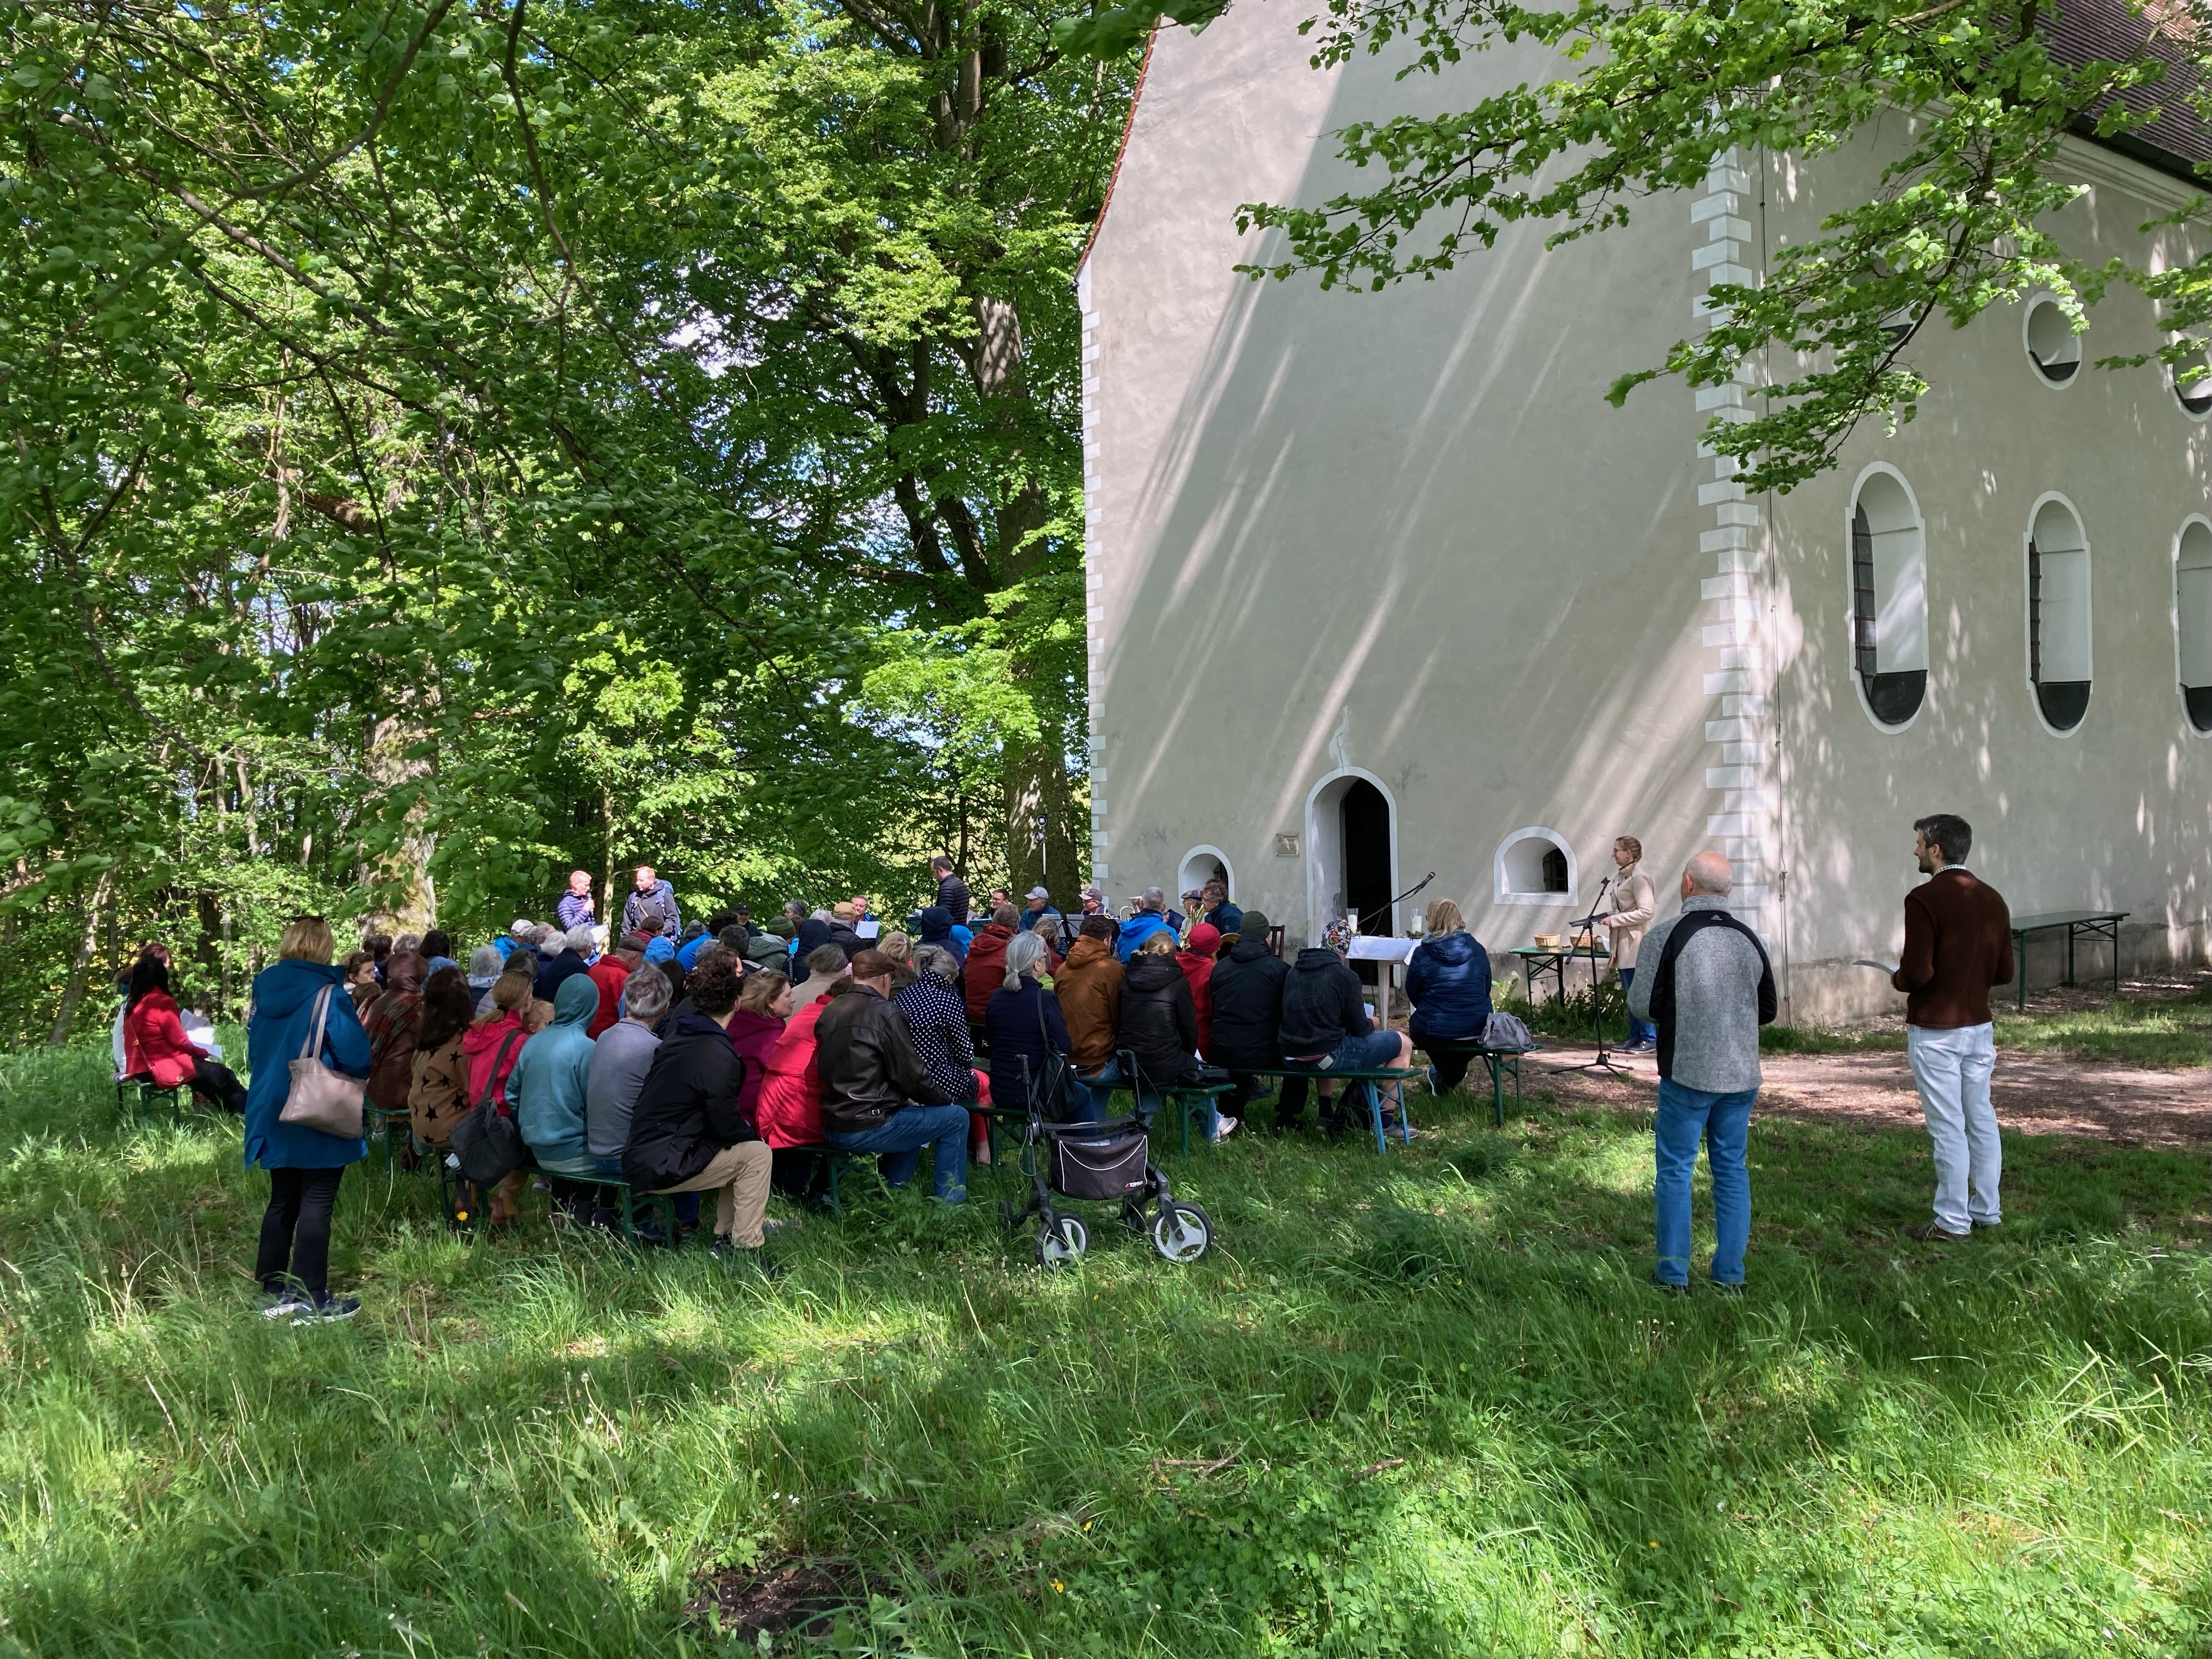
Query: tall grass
(1422, 1405)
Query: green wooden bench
(394, 1128)
(1366, 1079)
(1500, 1063)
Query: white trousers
(1951, 1069)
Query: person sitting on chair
(549, 1086)
(688, 1133)
(1326, 1027)
(1024, 1022)
(936, 1020)
(1448, 983)
(876, 1098)
(1088, 985)
(156, 1050)
(1159, 1024)
(1245, 992)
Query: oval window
(2058, 666)
(2192, 594)
(2191, 379)
(2052, 345)
(1889, 599)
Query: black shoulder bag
(486, 1143)
(1054, 1089)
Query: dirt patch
(801, 1593)
(2035, 1094)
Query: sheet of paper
(868, 929)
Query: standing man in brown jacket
(1958, 944)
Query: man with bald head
(1703, 978)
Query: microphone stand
(1588, 925)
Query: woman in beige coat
(1634, 902)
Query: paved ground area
(2034, 1093)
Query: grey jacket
(1724, 993)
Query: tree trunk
(406, 865)
(73, 991)
(1037, 785)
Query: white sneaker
(1224, 1128)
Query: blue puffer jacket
(1135, 931)
(1448, 983)
(283, 1017)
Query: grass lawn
(1425, 1405)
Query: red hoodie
(608, 972)
(482, 1046)
(1196, 961)
(789, 1109)
(753, 1036)
(986, 969)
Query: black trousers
(219, 1084)
(1452, 1068)
(296, 1231)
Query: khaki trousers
(741, 1172)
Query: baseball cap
(1039, 892)
(636, 941)
(524, 927)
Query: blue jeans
(1639, 1031)
(1102, 1084)
(900, 1139)
(1721, 1122)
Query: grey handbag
(320, 1098)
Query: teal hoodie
(548, 1078)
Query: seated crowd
(728, 1058)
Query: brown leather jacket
(866, 1060)
(1089, 987)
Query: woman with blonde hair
(1448, 983)
(296, 996)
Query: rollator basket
(1100, 1165)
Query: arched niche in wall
(2192, 620)
(1889, 598)
(1201, 865)
(1534, 865)
(2060, 668)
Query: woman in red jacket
(789, 1110)
(1196, 961)
(491, 1047)
(156, 1050)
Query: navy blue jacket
(569, 963)
(1447, 981)
(1016, 1032)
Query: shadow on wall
(1368, 538)
(1402, 533)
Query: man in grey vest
(1703, 980)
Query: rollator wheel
(1180, 1232)
(1063, 1242)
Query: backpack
(1504, 1033)
(487, 1145)
(1051, 1091)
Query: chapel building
(1379, 584)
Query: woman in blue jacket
(1448, 983)
(304, 1164)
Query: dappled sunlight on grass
(1419, 1405)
